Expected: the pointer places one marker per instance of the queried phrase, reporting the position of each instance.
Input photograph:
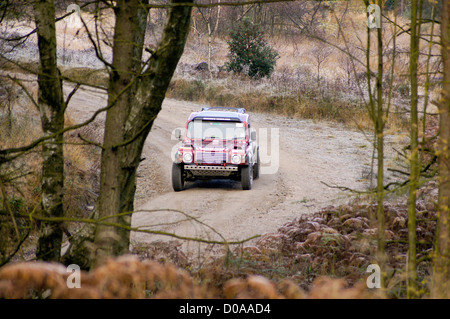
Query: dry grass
(268, 97)
(82, 161)
(324, 255)
(295, 88)
(337, 242)
(127, 277)
(98, 78)
(19, 126)
(82, 169)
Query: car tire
(247, 177)
(256, 167)
(177, 177)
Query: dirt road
(310, 154)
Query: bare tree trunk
(216, 27)
(379, 131)
(52, 108)
(414, 157)
(211, 29)
(130, 120)
(441, 273)
(127, 55)
(209, 48)
(378, 117)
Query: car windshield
(210, 130)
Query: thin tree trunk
(210, 31)
(127, 56)
(414, 157)
(216, 27)
(52, 108)
(441, 272)
(379, 131)
(130, 120)
(427, 85)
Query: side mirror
(253, 135)
(178, 135)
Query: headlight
(187, 157)
(236, 159)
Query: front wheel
(177, 177)
(247, 177)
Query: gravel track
(310, 156)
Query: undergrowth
(337, 242)
(324, 255)
(128, 277)
(265, 97)
(21, 178)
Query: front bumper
(211, 170)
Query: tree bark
(127, 56)
(130, 120)
(414, 157)
(441, 272)
(379, 131)
(52, 107)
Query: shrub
(249, 51)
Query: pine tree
(249, 51)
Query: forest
(351, 101)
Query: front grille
(204, 170)
(211, 157)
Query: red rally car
(218, 143)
